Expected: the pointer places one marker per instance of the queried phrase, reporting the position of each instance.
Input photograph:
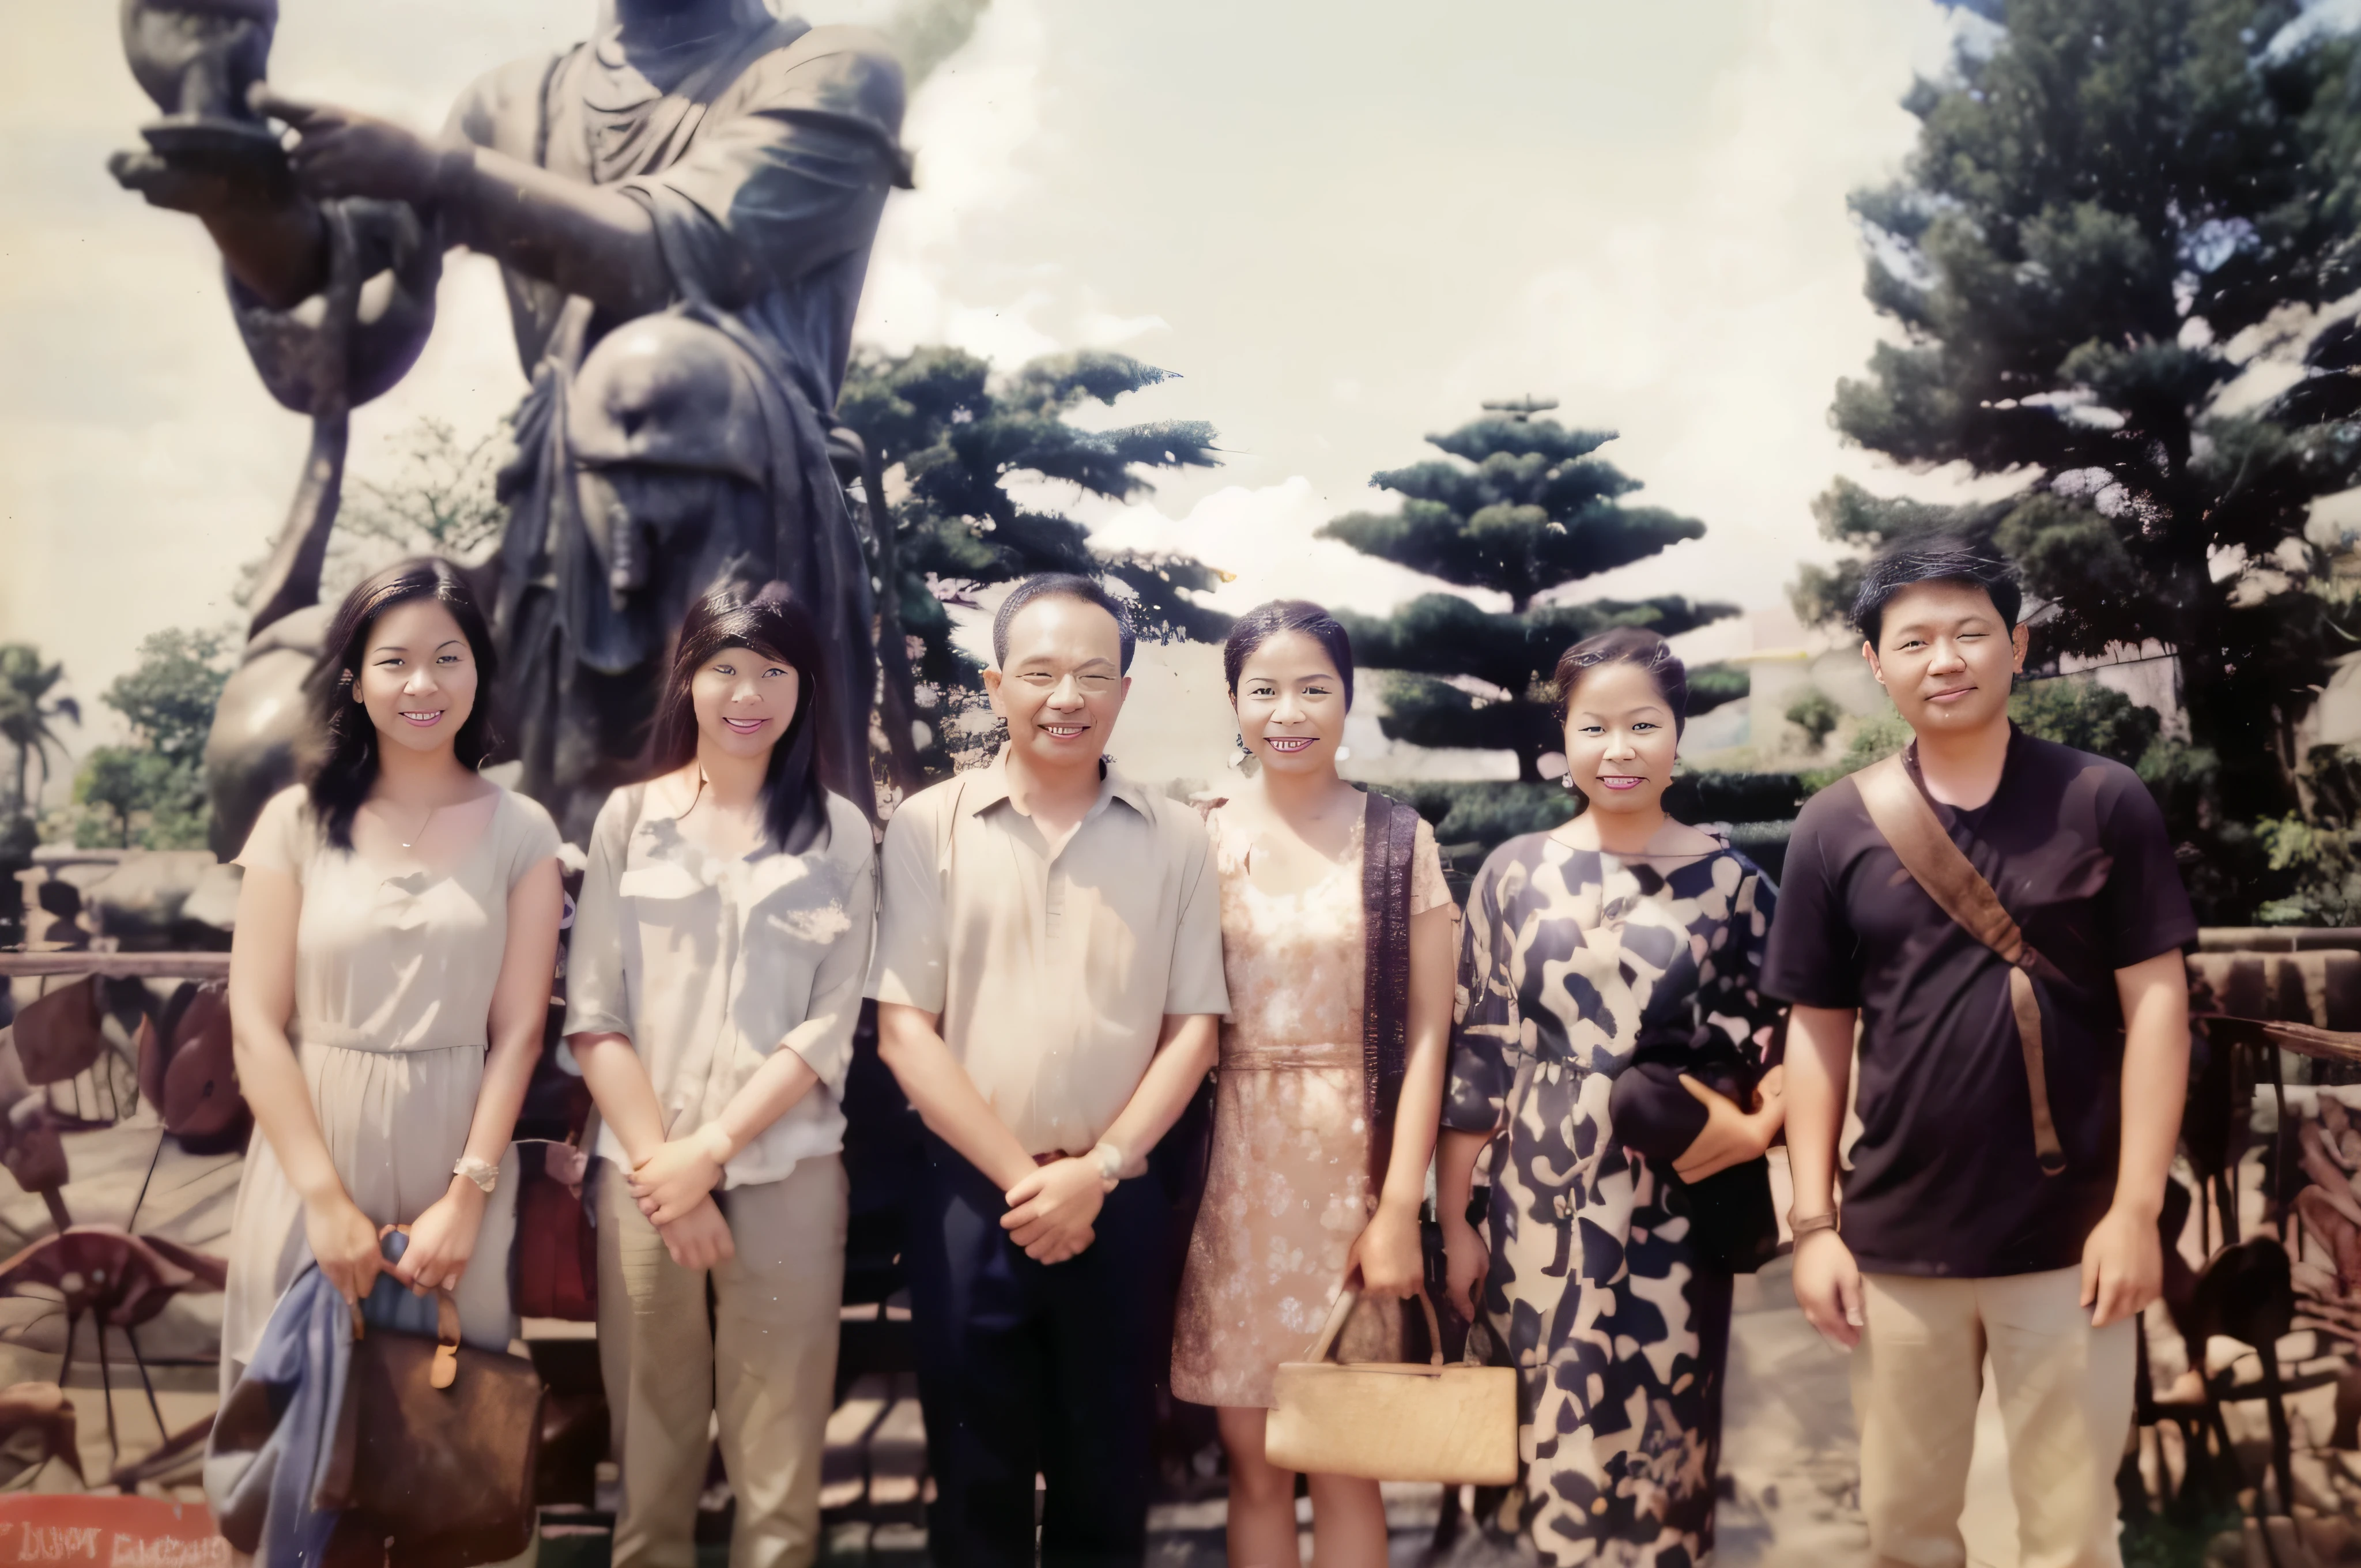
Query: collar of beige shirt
(989, 787)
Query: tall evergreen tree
(947, 437)
(1526, 508)
(2099, 206)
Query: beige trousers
(764, 1361)
(2065, 1402)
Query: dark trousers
(1027, 1367)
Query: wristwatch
(1110, 1164)
(1805, 1224)
(482, 1173)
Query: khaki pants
(764, 1363)
(2065, 1401)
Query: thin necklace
(420, 831)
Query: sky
(1343, 226)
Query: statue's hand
(182, 189)
(342, 152)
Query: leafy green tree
(169, 696)
(153, 790)
(28, 713)
(130, 783)
(1816, 714)
(947, 437)
(2096, 209)
(1522, 507)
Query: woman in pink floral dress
(1327, 1105)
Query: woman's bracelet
(483, 1173)
(1805, 1224)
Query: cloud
(1265, 537)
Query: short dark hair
(343, 764)
(1061, 584)
(1934, 558)
(769, 621)
(1265, 621)
(1627, 645)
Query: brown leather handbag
(436, 1446)
(1390, 1420)
(1899, 812)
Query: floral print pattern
(1572, 963)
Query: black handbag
(1733, 1222)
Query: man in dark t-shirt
(1955, 1245)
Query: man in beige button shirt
(1048, 983)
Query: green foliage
(1710, 685)
(2088, 717)
(444, 501)
(1526, 507)
(2320, 846)
(1874, 739)
(27, 717)
(1816, 714)
(152, 791)
(1472, 819)
(132, 783)
(2095, 209)
(958, 435)
(169, 696)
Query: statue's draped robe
(764, 155)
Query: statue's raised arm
(683, 209)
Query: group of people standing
(1567, 1078)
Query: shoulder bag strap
(1908, 824)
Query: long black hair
(341, 771)
(768, 620)
(1265, 621)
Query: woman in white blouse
(713, 984)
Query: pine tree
(958, 435)
(2099, 206)
(1526, 509)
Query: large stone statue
(683, 209)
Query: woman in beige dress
(1326, 1109)
(713, 989)
(388, 982)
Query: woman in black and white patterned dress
(1621, 933)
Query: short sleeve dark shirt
(1943, 1178)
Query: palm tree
(25, 716)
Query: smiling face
(744, 700)
(1619, 740)
(1945, 657)
(1062, 683)
(417, 677)
(1290, 704)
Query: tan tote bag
(1392, 1420)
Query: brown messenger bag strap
(1901, 815)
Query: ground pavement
(1788, 1464)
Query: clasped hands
(674, 1187)
(345, 1243)
(1051, 1211)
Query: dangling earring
(1566, 781)
(1244, 754)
